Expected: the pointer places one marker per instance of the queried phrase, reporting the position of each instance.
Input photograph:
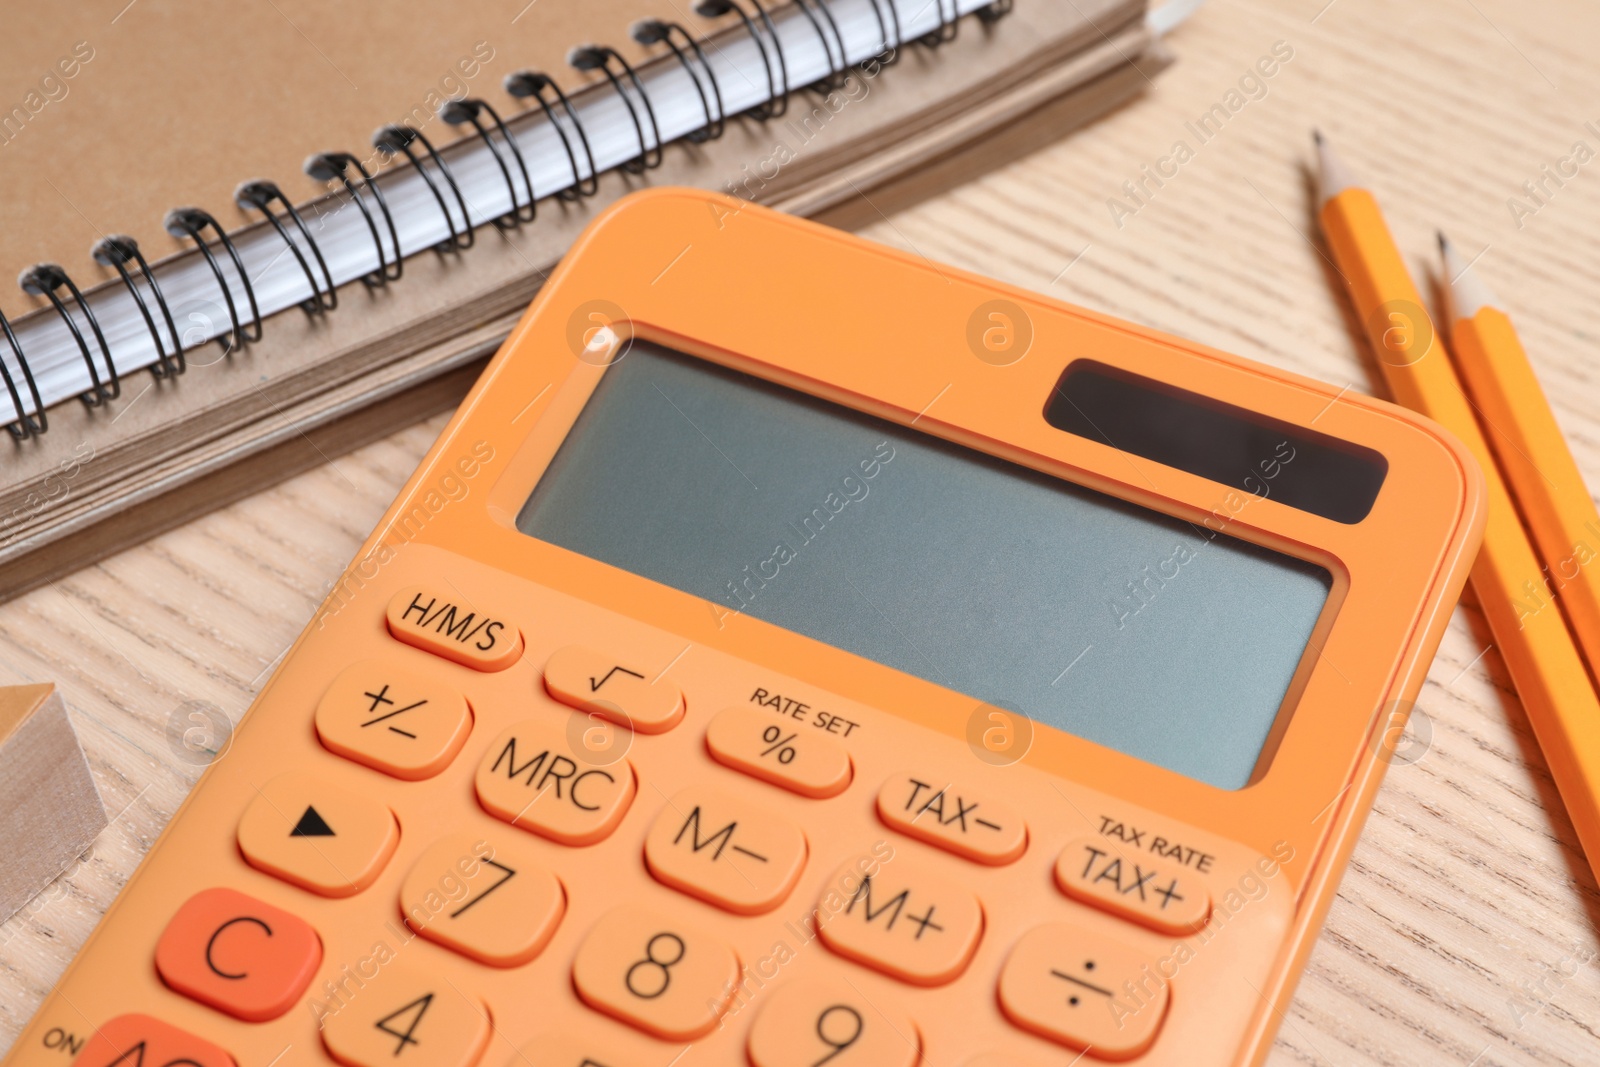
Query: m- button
(1133, 886)
(953, 817)
(724, 850)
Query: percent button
(807, 763)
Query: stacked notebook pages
(170, 371)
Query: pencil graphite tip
(1468, 293)
(1332, 175)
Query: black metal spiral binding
(43, 279)
(24, 425)
(837, 72)
(777, 101)
(658, 31)
(260, 195)
(191, 222)
(993, 11)
(948, 27)
(523, 84)
(589, 57)
(460, 112)
(330, 166)
(889, 54)
(117, 251)
(397, 139)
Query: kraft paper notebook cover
(113, 113)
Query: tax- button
(1083, 990)
(828, 1021)
(473, 633)
(410, 1018)
(900, 918)
(748, 740)
(316, 835)
(655, 972)
(724, 850)
(1132, 886)
(238, 954)
(542, 776)
(952, 817)
(142, 1041)
(487, 897)
(394, 721)
(622, 691)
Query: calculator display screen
(1161, 638)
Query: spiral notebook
(182, 339)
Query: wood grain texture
(1465, 930)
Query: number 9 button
(826, 1021)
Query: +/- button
(1132, 886)
(811, 764)
(664, 976)
(316, 835)
(901, 919)
(408, 1018)
(618, 689)
(1084, 990)
(392, 720)
(724, 850)
(238, 954)
(953, 817)
(536, 777)
(487, 897)
(141, 1041)
(828, 1021)
(473, 633)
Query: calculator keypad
(619, 689)
(1084, 990)
(134, 1040)
(656, 972)
(408, 1017)
(749, 740)
(316, 835)
(487, 897)
(393, 720)
(953, 817)
(719, 847)
(830, 1022)
(237, 954)
(473, 633)
(540, 776)
(903, 919)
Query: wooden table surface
(1465, 929)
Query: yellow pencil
(1538, 648)
(1533, 455)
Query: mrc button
(474, 633)
(953, 817)
(1132, 885)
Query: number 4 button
(407, 1018)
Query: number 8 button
(667, 978)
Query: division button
(142, 1041)
(316, 835)
(664, 976)
(238, 954)
(827, 1021)
(619, 690)
(473, 633)
(536, 777)
(392, 720)
(952, 817)
(719, 847)
(486, 897)
(901, 919)
(1133, 885)
(409, 1018)
(811, 763)
(1083, 990)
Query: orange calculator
(796, 653)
